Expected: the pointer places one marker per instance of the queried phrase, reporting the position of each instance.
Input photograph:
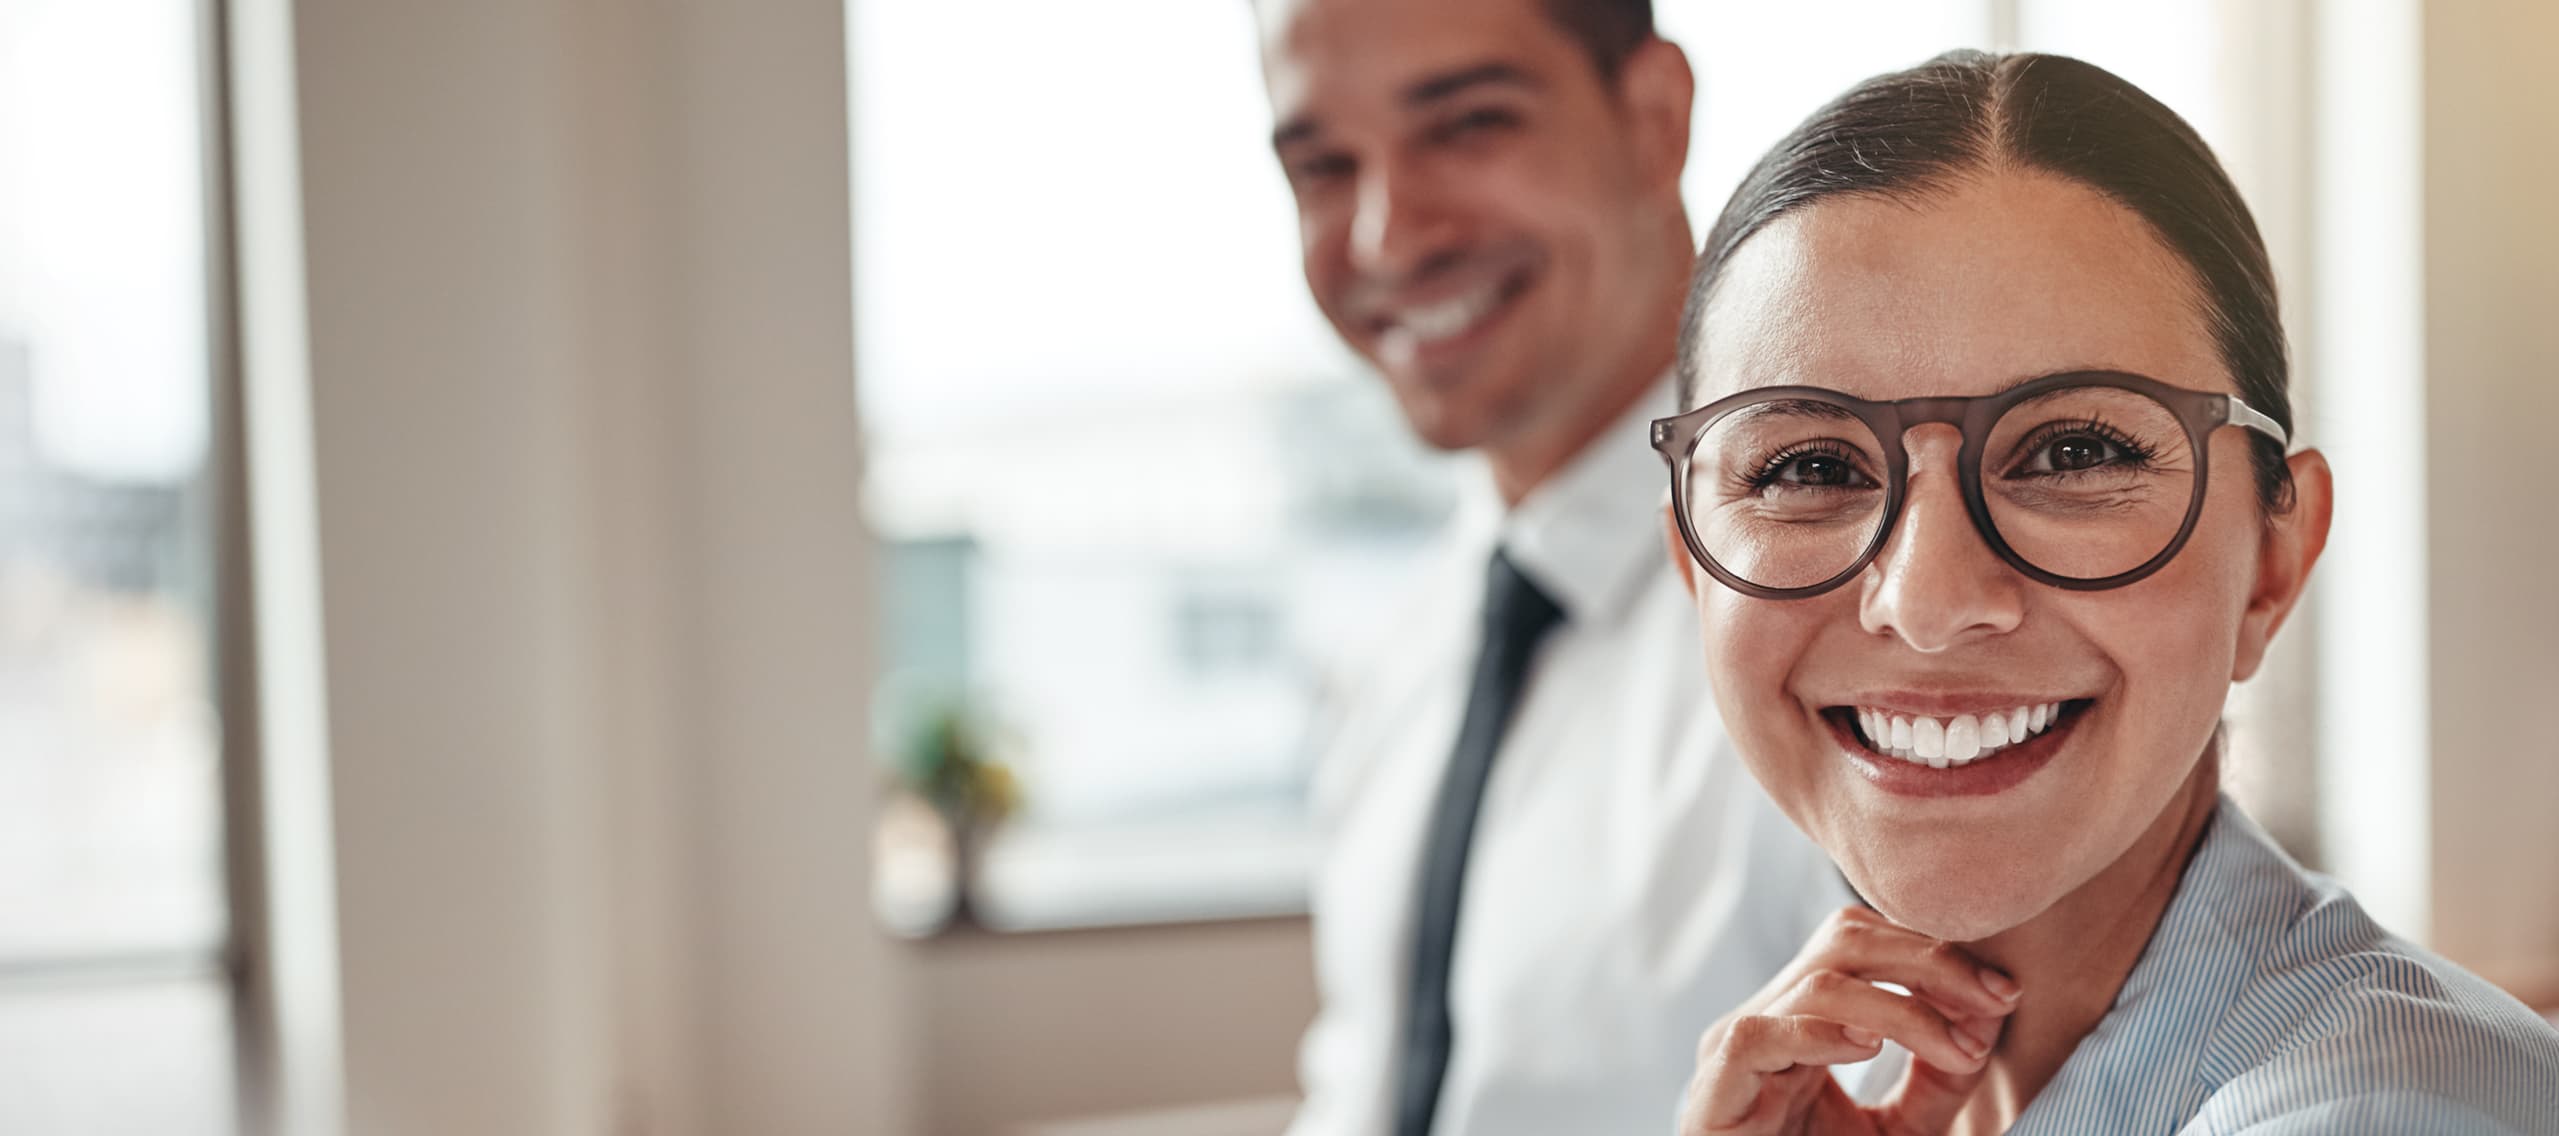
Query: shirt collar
(1591, 533)
(2237, 895)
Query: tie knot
(1517, 613)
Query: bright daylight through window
(114, 1002)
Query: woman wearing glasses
(1982, 488)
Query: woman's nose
(1937, 584)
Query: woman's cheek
(2193, 614)
(1755, 647)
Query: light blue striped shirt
(2268, 1003)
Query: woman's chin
(1955, 914)
(1950, 925)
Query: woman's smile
(1961, 754)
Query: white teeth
(1963, 739)
(1944, 743)
(1448, 318)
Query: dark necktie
(1516, 617)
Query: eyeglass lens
(2081, 482)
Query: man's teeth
(1449, 318)
(1942, 742)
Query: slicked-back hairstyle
(1609, 30)
(1967, 113)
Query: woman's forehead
(1959, 290)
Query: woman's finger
(1914, 1023)
(1741, 1083)
(1930, 1097)
(1868, 946)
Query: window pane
(151, 1059)
(108, 797)
(110, 841)
(1134, 493)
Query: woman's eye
(2071, 453)
(1821, 471)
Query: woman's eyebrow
(2082, 370)
(1794, 407)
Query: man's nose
(1401, 226)
(1937, 584)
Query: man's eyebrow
(1435, 88)
(1441, 86)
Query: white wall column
(2437, 277)
(593, 647)
(2491, 278)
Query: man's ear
(1678, 546)
(1658, 91)
(2286, 551)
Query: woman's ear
(2286, 550)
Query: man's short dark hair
(1609, 30)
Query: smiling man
(1545, 872)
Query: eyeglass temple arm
(2242, 414)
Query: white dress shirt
(1629, 882)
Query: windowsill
(1269, 1115)
(1041, 878)
(1182, 872)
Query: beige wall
(1009, 1031)
(2433, 357)
(2491, 279)
(550, 386)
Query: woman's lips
(1991, 773)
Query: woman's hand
(1765, 1067)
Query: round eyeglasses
(2085, 480)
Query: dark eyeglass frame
(2201, 413)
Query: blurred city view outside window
(1132, 496)
(115, 1012)
(1136, 503)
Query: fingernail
(1964, 1039)
(1858, 1036)
(1983, 1030)
(2000, 985)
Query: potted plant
(947, 755)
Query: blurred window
(115, 1008)
(1133, 494)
